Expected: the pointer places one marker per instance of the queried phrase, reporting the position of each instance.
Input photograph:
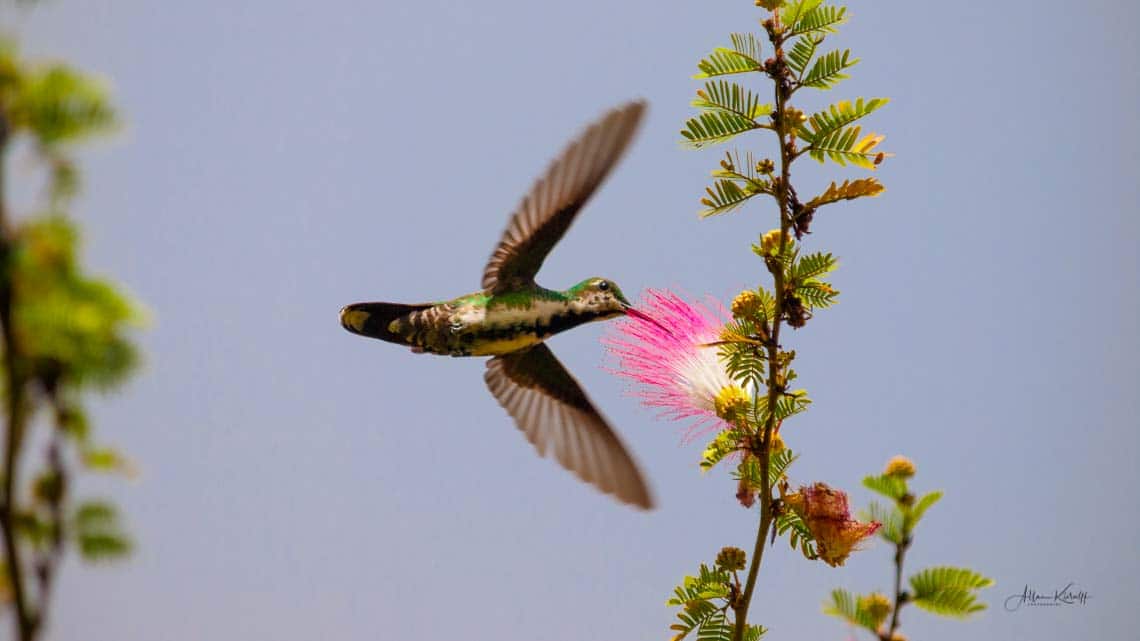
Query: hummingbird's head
(600, 297)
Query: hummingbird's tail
(372, 319)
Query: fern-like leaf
(816, 293)
(949, 591)
(849, 190)
(747, 46)
(890, 519)
(725, 196)
(779, 462)
(845, 146)
(813, 265)
(828, 69)
(951, 602)
(932, 580)
(892, 487)
(799, 536)
(822, 19)
(845, 605)
(715, 127)
(801, 54)
(836, 117)
(794, 11)
(725, 443)
(743, 57)
(722, 95)
(919, 508)
(715, 628)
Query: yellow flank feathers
(505, 345)
(354, 319)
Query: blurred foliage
(66, 332)
(943, 590)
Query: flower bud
(901, 467)
(877, 605)
(770, 242)
(731, 559)
(746, 304)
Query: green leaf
(948, 591)
(845, 605)
(919, 508)
(828, 69)
(891, 487)
(715, 628)
(951, 602)
(96, 528)
(725, 443)
(816, 293)
(58, 104)
(836, 117)
(714, 127)
(890, 519)
(795, 11)
(743, 57)
(725, 196)
(779, 462)
(933, 579)
(722, 95)
(801, 54)
(747, 46)
(813, 265)
(799, 536)
(744, 362)
(822, 19)
(846, 146)
(101, 546)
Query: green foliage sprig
(64, 333)
(943, 590)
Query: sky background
(285, 158)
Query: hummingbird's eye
(603, 285)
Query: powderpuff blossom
(824, 510)
(664, 349)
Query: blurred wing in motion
(546, 212)
(554, 413)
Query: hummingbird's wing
(554, 413)
(547, 211)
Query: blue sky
(285, 158)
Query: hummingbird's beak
(630, 310)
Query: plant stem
(900, 555)
(775, 387)
(25, 621)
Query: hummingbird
(511, 317)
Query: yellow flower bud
(731, 402)
(770, 5)
(746, 304)
(770, 242)
(901, 467)
(877, 605)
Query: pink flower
(662, 347)
(824, 510)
